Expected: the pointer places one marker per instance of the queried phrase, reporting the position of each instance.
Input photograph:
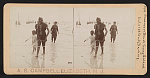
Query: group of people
(98, 37)
(39, 35)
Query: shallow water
(116, 55)
(70, 51)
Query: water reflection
(96, 62)
(43, 62)
(101, 62)
(112, 54)
(35, 63)
(93, 62)
(53, 53)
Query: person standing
(41, 28)
(99, 34)
(54, 31)
(34, 40)
(113, 30)
(92, 41)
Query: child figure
(92, 42)
(34, 40)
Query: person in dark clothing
(113, 31)
(99, 34)
(54, 31)
(41, 28)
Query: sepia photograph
(104, 38)
(75, 39)
(41, 37)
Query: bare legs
(113, 38)
(54, 38)
(43, 49)
(92, 50)
(38, 49)
(97, 45)
(34, 49)
(96, 51)
(102, 49)
(39, 44)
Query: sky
(48, 14)
(120, 15)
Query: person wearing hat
(99, 34)
(113, 30)
(41, 28)
(54, 31)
